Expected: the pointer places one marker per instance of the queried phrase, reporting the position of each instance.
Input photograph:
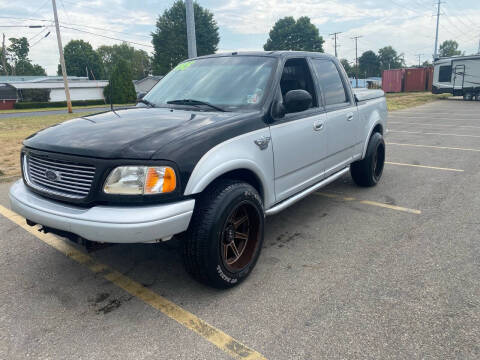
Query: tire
(468, 96)
(225, 236)
(367, 172)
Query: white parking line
(423, 166)
(431, 133)
(431, 124)
(433, 147)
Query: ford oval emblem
(52, 175)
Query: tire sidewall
(217, 270)
(373, 145)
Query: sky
(407, 25)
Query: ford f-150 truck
(219, 143)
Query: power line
(104, 36)
(23, 26)
(17, 18)
(38, 34)
(43, 37)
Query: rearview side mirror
(297, 100)
(140, 96)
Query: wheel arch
(241, 169)
(377, 127)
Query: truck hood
(135, 133)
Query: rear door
(342, 124)
(298, 139)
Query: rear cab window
(331, 84)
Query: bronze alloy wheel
(240, 237)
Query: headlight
(140, 180)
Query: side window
(445, 74)
(330, 82)
(296, 75)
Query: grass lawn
(14, 130)
(19, 111)
(399, 101)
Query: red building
(8, 96)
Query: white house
(81, 88)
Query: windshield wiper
(194, 103)
(146, 102)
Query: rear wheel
(367, 172)
(225, 235)
(468, 96)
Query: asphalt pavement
(348, 273)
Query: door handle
(350, 117)
(317, 126)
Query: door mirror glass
(297, 100)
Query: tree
(80, 58)
(123, 91)
(18, 56)
(348, 68)
(18, 49)
(427, 63)
(369, 64)
(26, 68)
(449, 48)
(170, 36)
(300, 35)
(389, 59)
(138, 60)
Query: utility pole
(335, 37)
(62, 59)
(435, 53)
(4, 52)
(419, 59)
(191, 38)
(356, 59)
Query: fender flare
(235, 154)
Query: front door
(342, 126)
(299, 139)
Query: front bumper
(112, 224)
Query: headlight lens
(140, 180)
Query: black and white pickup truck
(219, 143)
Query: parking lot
(386, 272)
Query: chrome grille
(58, 177)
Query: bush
(59, 104)
(123, 90)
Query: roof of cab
(279, 54)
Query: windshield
(230, 82)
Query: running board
(292, 200)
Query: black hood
(136, 133)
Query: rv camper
(458, 75)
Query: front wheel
(225, 236)
(367, 172)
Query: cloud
(257, 17)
